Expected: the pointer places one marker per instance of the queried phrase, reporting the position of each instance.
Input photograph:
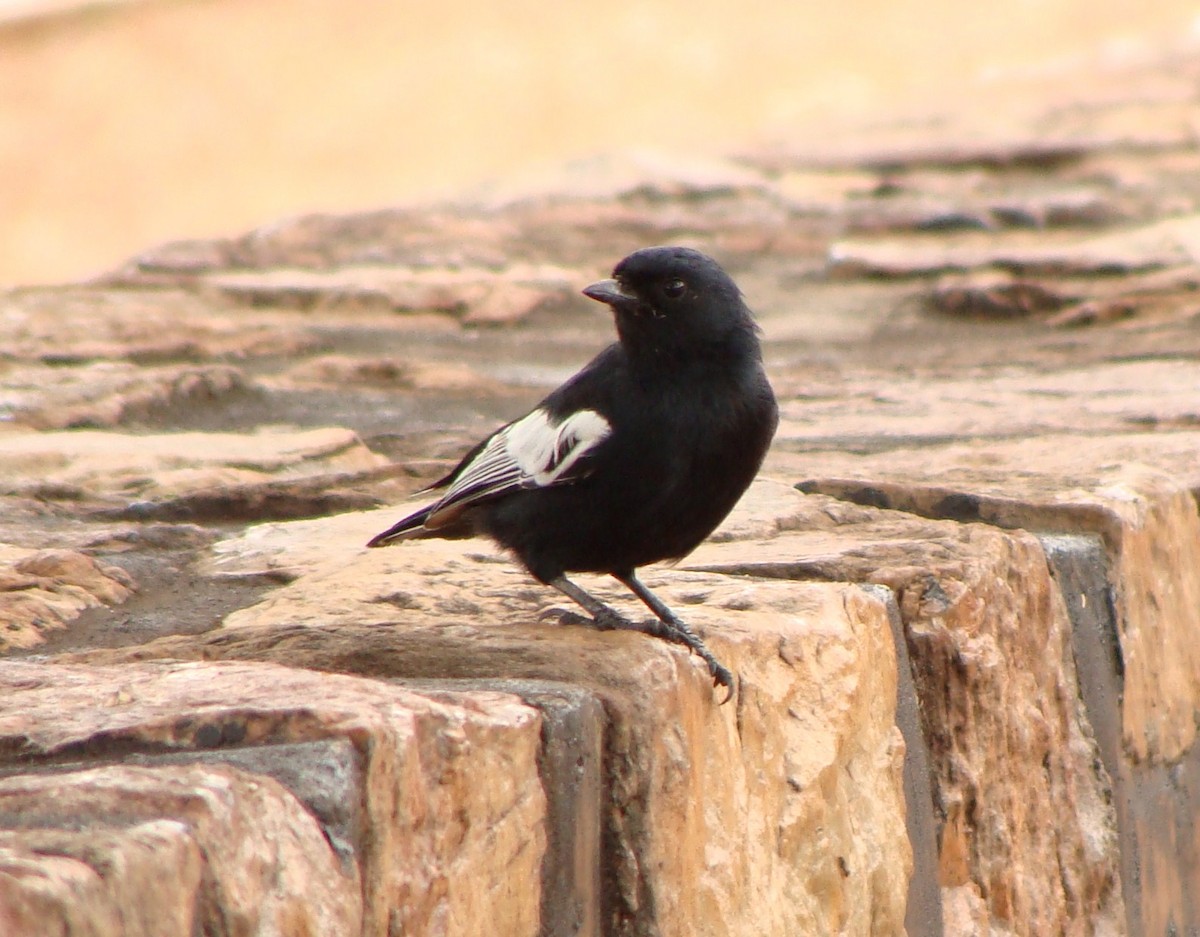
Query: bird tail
(406, 529)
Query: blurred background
(124, 124)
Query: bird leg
(679, 632)
(669, 626)
(604, 617)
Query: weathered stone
(927, 200)
(108, 394)
(1134, 490)
(251, 861)
(993, 295)
(325, 776)
(572, 770)
(112, 465)
(690, 801)
(626, 174)
(134, 879)
(1043, 120)
(426, 237)
(481, 295)
(1073, 301)
(924, 914)
(431, 835)
(872, 413)
(149, 537)
(42, 590)
(288, 550)
(1163, 244)
(76, 325)
(1018, 787)
(182, 257)
(392, 373)
(1036, 198)
(305, 497)
(1094, 311)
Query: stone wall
(961, 601)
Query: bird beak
(610, 292)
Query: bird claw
(657, 629)
(563, 616)
(721, 675)
(604, 621)
(610, 620)
(679, 634)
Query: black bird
(635, 459)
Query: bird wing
(537, 451)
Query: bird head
(673, 298)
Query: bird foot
(605, 620)
(721, 676)
(609, 620)
(679, 633)
(563, 616)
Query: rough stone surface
(55, 880)
(147, 327)
(572, 770)
(147, 467)
(480, 295)
(814, 774)
(253, 861)
(106, 394)
(1136, 491)
(429, 828)
(989, 640)
(44, 589)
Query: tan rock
(997, 295)
(1134, 490)
(170, 464)
(624, 174)
(425, 237)
(137, 880)
(436, 849)
(1022, 803)
(1041, 118)
(479, 294)
(780, 813)
(291, 548)
(288, 549)
(43, 590)
(966, 913)
(872, 379)
(908, 410)
(79, 324)
(256, 863)
(108, 394)
(412, 374)
(1174, 242)
(1073, 301)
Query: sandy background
(129, 124)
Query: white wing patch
(533, 452)
(544, 451)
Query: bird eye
(673, 289)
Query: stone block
(424, 843)
(1025, 833)
(124, 849)
(782, 812)
(1136, 491)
